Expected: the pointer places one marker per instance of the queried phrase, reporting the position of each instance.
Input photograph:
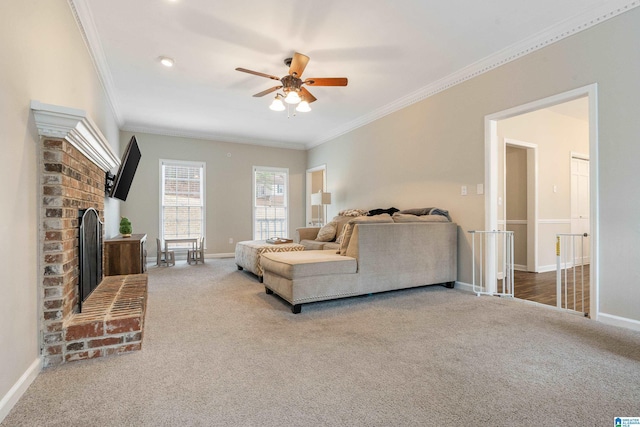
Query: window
(182, 199)
(270, 213)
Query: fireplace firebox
(89, 253)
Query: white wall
(421, 155)
(43, 58)
(228, 186)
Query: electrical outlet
(230, 240)
(463, 190)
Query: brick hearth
(111, 321)
(70, 182)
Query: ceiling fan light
(303, 107)
(276, 104)
(292, 97)
(166, 61)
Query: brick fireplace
(74, 159)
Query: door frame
(491, 178)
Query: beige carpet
(218, 351)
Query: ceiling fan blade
(298, 64)
(256, 73)
(307, 95)
(326, 81)
(265, 92)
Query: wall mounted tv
(127, 170)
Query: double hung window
(270, 200)
(182, 199)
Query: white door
(580, 222)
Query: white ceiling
(394, 53)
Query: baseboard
(519, 267)
(554, 267)
(467, 287)
(15, 393)
(152, 259)
(546, 268)
(622, 322)
(220, 255)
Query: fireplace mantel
(75, 126)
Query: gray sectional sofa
(377, 256)
(310, 239)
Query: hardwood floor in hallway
(541, 288)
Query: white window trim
(188, 163)
(253, 196)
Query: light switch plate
(480, 189)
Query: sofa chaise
(375, 255)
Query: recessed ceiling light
(166, 61)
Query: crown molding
(215, 137)
(541, 40)
(86, 24)
(75, 126)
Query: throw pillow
(352, 212)
(398, 217)
(327, 233)
(348, 229)
(341, 222)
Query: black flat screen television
(127, 170)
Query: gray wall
(43, 58)
(421, 155)
(228, 186)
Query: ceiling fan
(292, 83)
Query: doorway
(316, 181)
(552, 223)
(520, 206)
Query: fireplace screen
(90, 253)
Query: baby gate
(492, 278)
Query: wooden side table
(125, 255)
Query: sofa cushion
(294, 265)
(341, 222)
(312, 245)
(333, 246)
(348, 230)
(327, 233)
(398, 217)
